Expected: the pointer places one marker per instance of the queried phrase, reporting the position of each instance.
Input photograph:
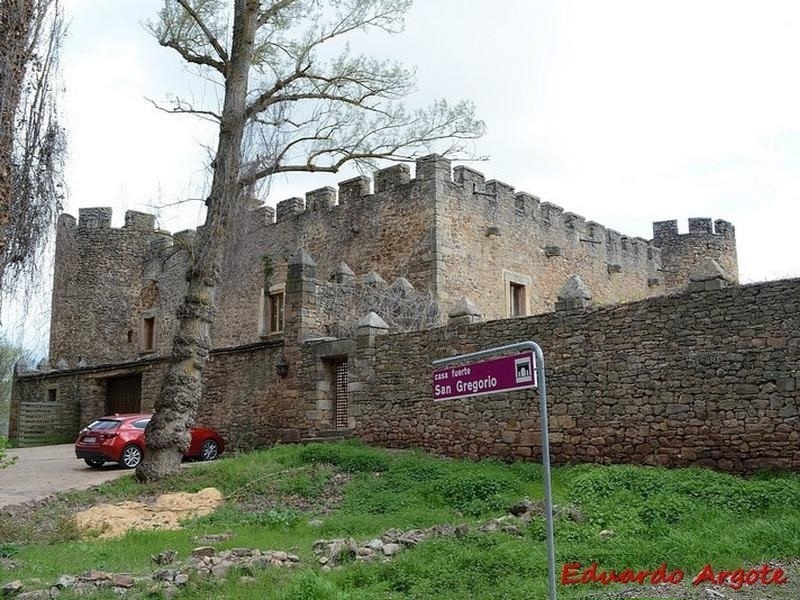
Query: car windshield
(104, 424)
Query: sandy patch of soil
(167, 512)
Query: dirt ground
(44, 470)
(113, 520)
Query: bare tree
(284, 109)
(32, 143)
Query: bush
(4, 460)
(353, 457)
(473, 493)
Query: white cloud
(623, 111)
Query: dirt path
(44, 470)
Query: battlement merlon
(663, 231)
(99, 217)
(94, 218)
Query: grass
(686, 518)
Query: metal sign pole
(548, 492)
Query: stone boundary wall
(708, 378)
(243, 397)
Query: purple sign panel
(504, 374)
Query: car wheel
(131, 457)
(95, 463)
(209, 450)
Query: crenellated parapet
(664, 231)
(681, 252)
(107, 279)
(360, 189)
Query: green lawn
(686, 518)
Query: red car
(120, 439)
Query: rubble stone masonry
(709, 378)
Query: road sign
(515, 372)
(504, 374)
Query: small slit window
(52, 395)
(148, 334)
(516, 296)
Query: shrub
(351, 457)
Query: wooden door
(124, 394)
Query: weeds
(686, 518)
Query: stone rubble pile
(332, 553)
(205, 561)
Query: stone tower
(681, 252)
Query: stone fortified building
(655, 355)
(452, 234)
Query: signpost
(522, 370)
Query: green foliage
(473, 493)
(685, 517)
(267, 267)
(352, 457)
(310, 585)
(9, 355)
(8, 550)
(3, 461)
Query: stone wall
(681, 252)
(447, 232)
(708, 378)
(490, 236)
(389, 231)
(243, 397)
(106, 280)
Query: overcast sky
(623, 111)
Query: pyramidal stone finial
(465, 306)
(707, 270)
(342, 273)
(62, 365)
(464, 311)
(43, 365)
(82, 364)
(708, 275)
(372, 321)
(302, 257)
(574, 294)
(403, 286)
(372, 278)
(574, 287)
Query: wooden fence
(43, 423)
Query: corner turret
(681, 252)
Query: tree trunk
(175, 408)
(16, 21)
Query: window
(148, 334)
(52, 394)
(141, 423)
(516, 295)
(515, 289)
(273, 308)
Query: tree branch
(272, 11)
(192, 57)
(223, 55)
(180, 109)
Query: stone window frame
(47, 390)
(517, 279)
(142, 337)
(265, 307)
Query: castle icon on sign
(524, 369)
